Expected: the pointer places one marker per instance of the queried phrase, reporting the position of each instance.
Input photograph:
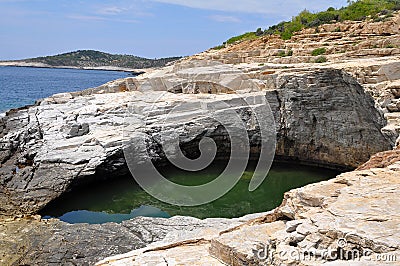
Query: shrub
(326, 17)
(357, 10)
(282, 53)
(321, 59)
(385, 12)
(318, 51)
(219, 47)
(243, 37)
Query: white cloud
(221, 18)
(86, 18)
(111, 10)
(100, 18)
(134, 8)
(283, 7)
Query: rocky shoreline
(336, 114)
(34, 136)
(322, 116)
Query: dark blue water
(20, 86)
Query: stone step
(394, 106)
(245, 245)
(393, 124)
(395, 116)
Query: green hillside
(90, 58)
(377, 10)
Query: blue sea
(20, 86)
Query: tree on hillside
(259, 32)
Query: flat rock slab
(51, 242)
(242, 246)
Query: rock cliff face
(341, 41)
(317, 122)
(322, 117)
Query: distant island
(90, 59)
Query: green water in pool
(122, 199)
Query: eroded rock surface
(322, 117)
(31, 241)
(353, 218)
(341, 41)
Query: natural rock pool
(122, 199)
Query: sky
(147, 28)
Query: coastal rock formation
(312, 226)
(387, 159)
(353, 218)
(313, 108)
(322, 117)
(31, 241)
(341, 41)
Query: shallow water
(123, 199)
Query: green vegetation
(283, 53)
(90, 58)
(219, 47)
(318, 51)
(378, 10)
(321, 59)
(243, 37)
(356, 10)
